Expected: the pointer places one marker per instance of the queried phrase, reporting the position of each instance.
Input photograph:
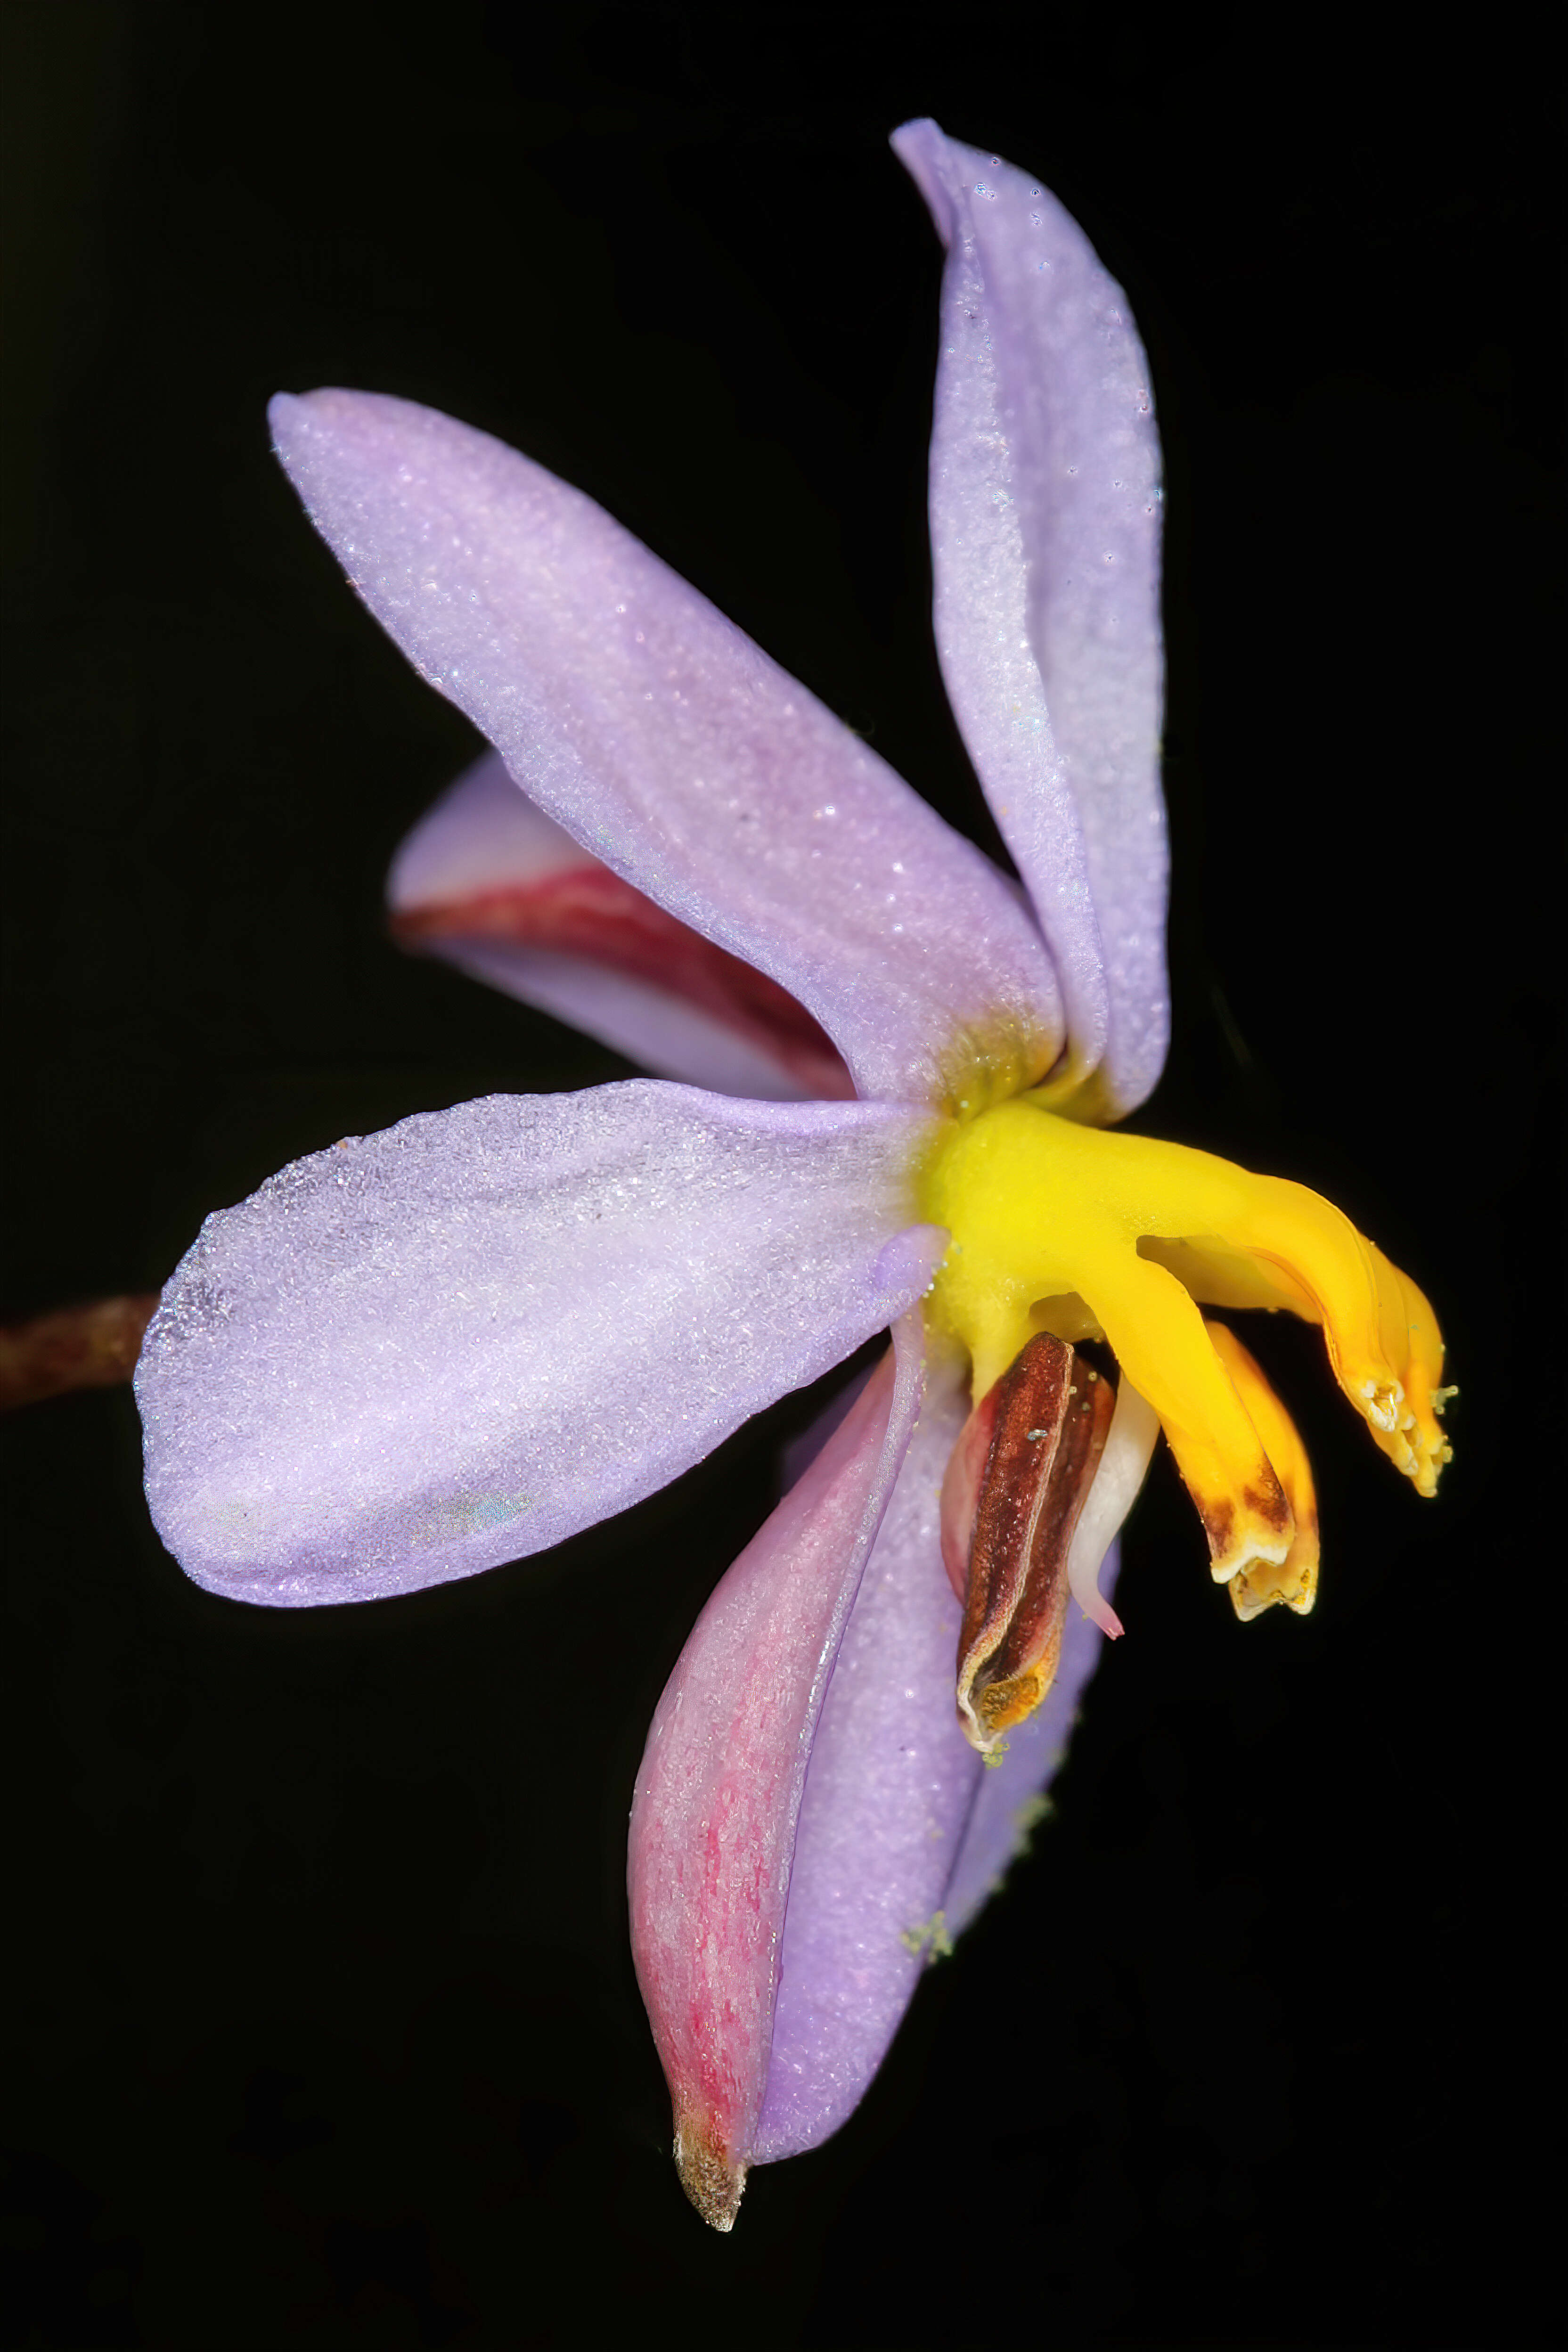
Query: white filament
(1134, 1426)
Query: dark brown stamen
(1050, 1415)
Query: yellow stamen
(1062, 1227)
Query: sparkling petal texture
(422, 1352)
(664, 743)
(1045, 518)
(719, 1792)
(484, 836)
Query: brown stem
(89, 1346)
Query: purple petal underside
(422, 1352)
(903, 1831)
(491, 883)
(669, 747)
(890, 1785)
(895, 1840)
(713, 1816)
(1045, 515)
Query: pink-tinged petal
(889, 1791)
(902, 1830)
(671, 748)
(1007, 1805)
(719, 1794)
(425, 1351)
(489, 883)
(1045, 514)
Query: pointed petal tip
(290, 417)
(920, 145)
(712, 2178)
(911, 133)
(294, 416)
(281, 410)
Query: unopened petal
(491, 883)
(422, 1352)
(719, 1794)
(673, 749)
(1045, 510)
(903, 1831)
(888, 1794)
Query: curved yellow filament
(1088, 1233)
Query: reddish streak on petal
(717, 1798)
(587, 912)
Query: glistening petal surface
(719, 1791)
(484, 839)
(664, 743)
(422, 1352)
(1045, 515)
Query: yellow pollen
(1091, 1235)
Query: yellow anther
(1409, 1331)
(1087, 1233)
(1294, 1581)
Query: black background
(324, 2027)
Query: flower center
(1090, 1234)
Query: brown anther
(1046, 1433)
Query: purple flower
(420, 1353)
